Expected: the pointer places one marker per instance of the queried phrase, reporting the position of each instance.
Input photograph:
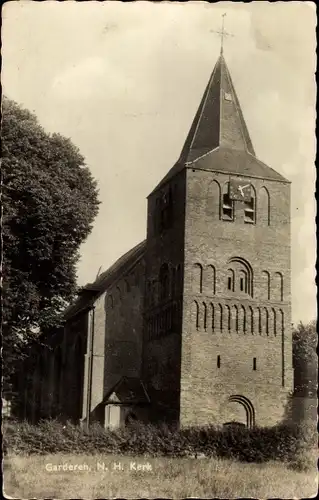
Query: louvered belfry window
(227, 204)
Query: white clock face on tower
(239, 190)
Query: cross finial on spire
(222, 34)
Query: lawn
(109, 476)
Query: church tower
(217, 322)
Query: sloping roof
(91, 291)
(219, 133)
(119, 266)
(219, 120)
(233, 161)
(128, 390)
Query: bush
(284, 442)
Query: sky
(123, 80)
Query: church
(193, 325)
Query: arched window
(127, 286)
(205, 316)
(227, 211)
(265, 285)
(137, 276)
(196, 307)
(109, 302)
(213, 199)
(259, 321)
(210, 279)
(166, 206)
(242, 274)
(213, 317)
(235, 318)
(197, 278)
(251, 314)
(164, 282)
(230, 280)
(243, 280)
(242, 323)
(278, 287)
(281, 321)
(266, 320)
(274, 320)
(250, 208)
(221, 317)
(228, 317)
(118, 295)
(264, 206)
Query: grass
(27, 477)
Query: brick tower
(217, 327)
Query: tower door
(235, 414)
(238, 410)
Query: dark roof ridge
(99, 286)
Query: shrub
(287, 443)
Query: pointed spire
(219, 121)
(218, 139)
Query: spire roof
(219, 121)
(219, 130)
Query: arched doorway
(240, 411)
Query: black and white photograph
(158, 243)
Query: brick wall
(209, 241)
(162, 314)
(122, 323)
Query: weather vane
(222, 33)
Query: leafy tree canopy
(50, 200)
(305, 360)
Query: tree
(305, 359)
(50, 200)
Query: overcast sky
(123, 81)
